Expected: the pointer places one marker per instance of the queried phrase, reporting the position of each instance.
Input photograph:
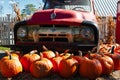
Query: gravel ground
(115, 75)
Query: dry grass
(107, 29)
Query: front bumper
(60, 47)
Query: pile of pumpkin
(91, 66)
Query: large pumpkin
(10, 66)
(28, 58)
(107, 64)
(90, 68)
(68, 67)
(41, 68)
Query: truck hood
(60, 16)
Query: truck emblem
(53, 15)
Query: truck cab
(61, 25)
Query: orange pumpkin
(79, 57)
(17, 54)
(68, 67)
(90, 68)
(56, 62)
(48, 53)
(107, 64)
(65, 54)
(116, 60)
(115, 57)
(41, 68)
(28, 58)
(10, 66)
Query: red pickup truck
(61, 25)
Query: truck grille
(53, 37)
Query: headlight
(84, 34)
(21, 32)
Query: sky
(7, 9)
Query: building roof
(106, 7)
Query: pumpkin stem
(89, 54)
(33, 51)
(112, 50)
(67, 50)
(71, 55)
(80, 53)
(9, 54)
(10, 57)
(56, 54)
(41, 55)
(94, 49)
(44, 48)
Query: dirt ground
(115, 75)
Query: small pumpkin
(48, 53)
(68, 67)
(65, 54)
(41, 68)
(28, 58)
(10, 66)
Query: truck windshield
(79, 5)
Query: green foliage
(4, 48)
(28, 10)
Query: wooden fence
(6, 31)
(7, 24)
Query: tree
(23, 13)
(29, 9)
